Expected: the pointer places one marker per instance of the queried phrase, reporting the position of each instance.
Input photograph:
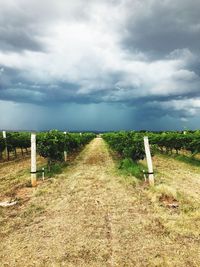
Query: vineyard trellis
(53, 145)
(130, 144)
(56, 145)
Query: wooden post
(65, 152)
(33, 160)
(149, 160)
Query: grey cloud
(14, 88)
(23, 23)
(157, 30)
(18, 29)
(18, 39)
(163, 26)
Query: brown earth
(91, 216)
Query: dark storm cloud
(18, 28)
(142, 55)
(18, 90)
(163, 26)
(14, 87)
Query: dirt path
(89, 217)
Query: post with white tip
(6, 148)
(65, 152)
(42, 174)
(149, 160)
(33, 160)
(4, 134)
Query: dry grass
(180, 182)
(15, 175)
(92, 216)
(179, 175)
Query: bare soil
(90, 216)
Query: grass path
(88, 216)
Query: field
(96, 213)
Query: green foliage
(13, 141)
(128, 166)
(16, 140)
(52, 144)
(168, 141)
(55, 168)
(128, 144)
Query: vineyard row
(50, 145)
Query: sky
(99, 64)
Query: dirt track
(89, 217)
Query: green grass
(56, 168)
(188, 159)
(183, 158)
(128, 166)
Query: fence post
(33, 160)
(6, 148)
(149, 160)
(43, 174)
(65, 152)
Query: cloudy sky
(99, 64)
